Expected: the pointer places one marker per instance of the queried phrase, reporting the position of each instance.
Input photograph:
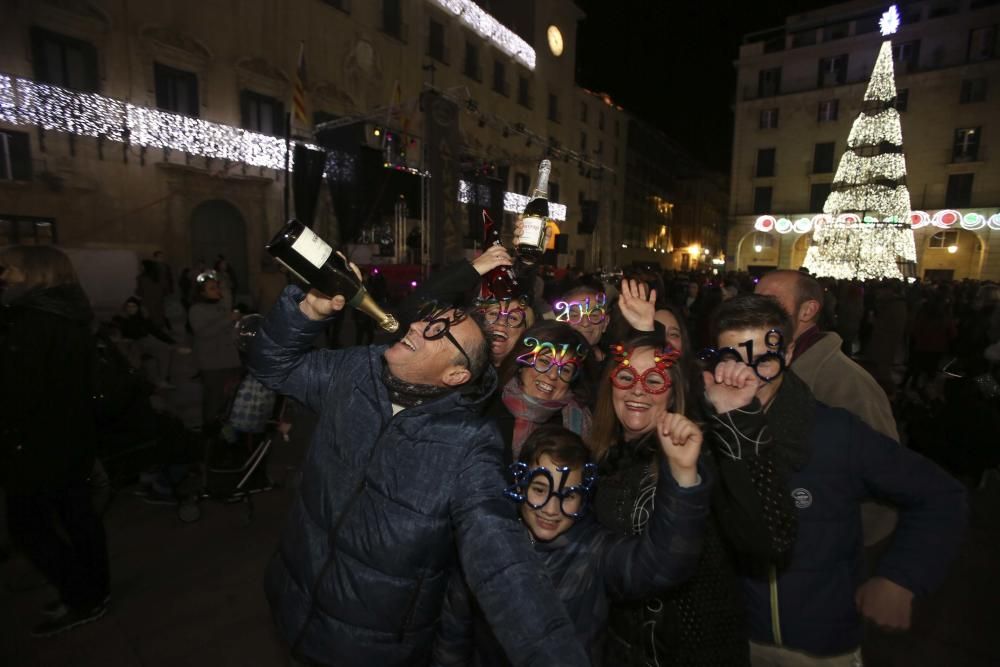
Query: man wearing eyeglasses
(807, 608)
(398, 491)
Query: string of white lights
(880, 200)
(882, 85)
(512, 201)
(487, 27)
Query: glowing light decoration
(512, 201)
(889, 23)
(943, 219)
(487, 27)
(871, 233)
(25, 102)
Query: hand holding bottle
(680, 440)
(318, 306)
(491, 258)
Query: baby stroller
(235, 466)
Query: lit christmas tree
(869, 234)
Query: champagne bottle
(530, 245)
(314, 262)
(501, 282)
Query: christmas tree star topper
(889, 23)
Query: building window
(866, 24)
(15, 156)
(769, 119)
(553, 107)
(600, 120)
(765, 163)
(966, 148)
(769, 82)
(600, 147)
(583, 142)
(435, 41)
(392, 18)
(583, 112)
(176, 90)
(618, 127)
(959, 193)
(471, 68)
(906, 55)
(939, 9)
(803, 38)
(524, 91)
(823, 158)
(818, 194)
(553, 191)
(832, 71)
(26, 230)
(260, 113)
(973, 90)
(762, 200)
(909, 14)
(944, 239)
(902, 99)
(835, 31)
(64, 61)
(982, 43)
(500, 77)
(828, 111)
(521, 183)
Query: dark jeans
(63, 537)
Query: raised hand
(636, 307)
(491, 258)
(732, 386)
(680, 440)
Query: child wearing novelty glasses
(553, 480)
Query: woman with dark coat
(47, 431)
(702, 621)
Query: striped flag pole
(299, 90)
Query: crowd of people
(667, 469)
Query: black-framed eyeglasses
(536, 486)
(439, 324)
(767, 366)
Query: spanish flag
(299, 90)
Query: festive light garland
(25, 102)
(512, 201)
(473, 16)
(943, 219)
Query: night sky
(681, 52)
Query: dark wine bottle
(530, 245)
(501, 282)
(311, 259)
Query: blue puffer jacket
(387, 508)
(848, 463)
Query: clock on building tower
(555, 40)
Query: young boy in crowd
(587, 563)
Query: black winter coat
(47, 432)
(387, 508)
(701, 622)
